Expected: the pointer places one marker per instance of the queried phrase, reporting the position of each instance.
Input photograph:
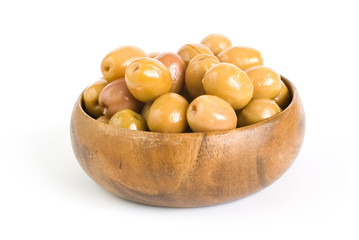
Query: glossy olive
(116, 96)
(257, 110)
(114, 65)
(189, 51)
(91, 98)
(216, 43)
(145, 110)
(148, 78)
(265, 80)
(129, 119)
(284, 97)
(242, 57)
(103, 119)
(195, 71)
(210, 113)
(167, 114)
(229, 83)
(177, 69)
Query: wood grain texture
(188, 169)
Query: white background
(51, 50)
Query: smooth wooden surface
(188, 169)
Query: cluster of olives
(210, 86)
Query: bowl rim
(292, 89)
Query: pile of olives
(209, 86)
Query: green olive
(189, 51)
(242, 57)
(216, 43)
(211, 113)
(91, 98)
(257, 110)
(167, 114)
(283, 98)
(148, 78)
(145, 110)
(266, 82)
(129, 119)
(229, 83)
(195, 71)
(114, 65)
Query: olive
(146, 109)
(195, 71)
(189, 51)
(283, 98)
(216, 43)
(210, 113)
(148, 78)
(103, 119)
(116, 96)
(167, 114)
(230, 83)
(242, 57)
(91, 98)
(129, 119)
(114, 65)
(257, 110)
(177, 69)
(266, 82)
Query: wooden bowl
(188, 169)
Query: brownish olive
(242, 57)
(129, 119)
(189, 51)
(145, 110)
(167, 114)
(91, 98)
(116, 96)
(177, 68)
(283, 98)
(266, 82)
(103, 119)
(257, 110)
(230, 83)
(216, 43)
(211, 113)
(114, 65)
(195, 71)
(148, 78)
